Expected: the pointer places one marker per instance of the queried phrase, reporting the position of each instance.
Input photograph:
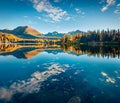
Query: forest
(103, 36)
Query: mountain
(54, 34)
(21, 53)
(28, 32)
(62, 34)
(23, 32)
(75, 32)
(6, 31)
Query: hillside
(7, 38)
(23, 32)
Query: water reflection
(104, 51)
(25, 51)
(39, 73)
(28, 51)
(32, 84)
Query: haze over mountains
(28, 32)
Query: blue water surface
(55, 76)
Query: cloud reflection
(108, 79)
(32, 84)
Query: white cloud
(57, 16)
(102, 1)
(117, 11)
(108, 4)
(79, 11)
(38, 17)
(68, 18)
(25, 16)
(118, 5)
(104, 8)
(55, 13)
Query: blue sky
(60, 15)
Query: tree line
(93, 36)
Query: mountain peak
(7, 29)
(23, 32)
(74, 32)
(55, 33)
(26, 30)
(22, 27)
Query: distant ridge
(55, 33)
(75, 32)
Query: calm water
(55, 74)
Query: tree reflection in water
(30, 50)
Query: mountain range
(62, 34)
(75, 32)
(54, 34)
(28, 32)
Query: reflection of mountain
(28, 51)
(25, 51)
(32, 53)
(23, 32)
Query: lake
(39, 73)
